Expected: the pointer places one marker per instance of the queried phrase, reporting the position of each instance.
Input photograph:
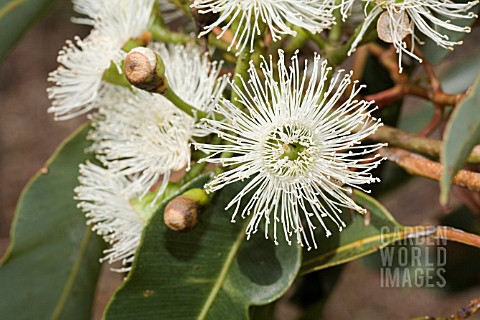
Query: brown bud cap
(385, 23)
(181, 214)
(145, 70)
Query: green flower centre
(292, 151)
(289, 150)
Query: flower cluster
(395, 19)
(291, 131)
(141, 138)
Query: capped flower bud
(181, 214)
(145, 70)
(392, 27)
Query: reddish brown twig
(388, 59)
(434, 82)
(442, 232)
(421, 166)
(402, 89)
(464, 313)
(426, 146)
(434, 122)
(457, 235)
(467, 311)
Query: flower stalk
(241, 71)
(182, 105)
(337, 28)
(162, 34)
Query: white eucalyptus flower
(141, 134)
(109, 205)
(90, 8)
(79, 76)
(277, 15)
(398, 19)
(299, 144)
(83, 62)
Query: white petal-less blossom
(79, 76)
(78, 79)
(277, 15)
(297, 145)
(141, 134)
(107, 200)
(399, 19)
(92, 9)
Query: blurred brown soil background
(28, 136)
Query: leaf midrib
(223, 273)
(72, 276)
(393, 236)
(9, 7)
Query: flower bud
(181, 214)
(392, 27)
(145, 70)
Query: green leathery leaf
(210, 272)
(362, 236)
(51, 267)
(461, 135)
(16, 17)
